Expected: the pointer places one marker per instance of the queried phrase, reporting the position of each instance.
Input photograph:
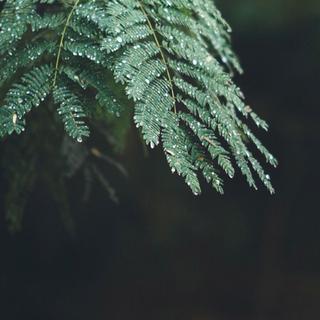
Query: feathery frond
(172, 57)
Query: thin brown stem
(162, 56)
(56, 69)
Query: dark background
(163, 253)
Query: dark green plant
(171, 57)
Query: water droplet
(14, 118)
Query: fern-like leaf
(173, 59)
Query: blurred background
(162, 253)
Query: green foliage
(172, 58)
